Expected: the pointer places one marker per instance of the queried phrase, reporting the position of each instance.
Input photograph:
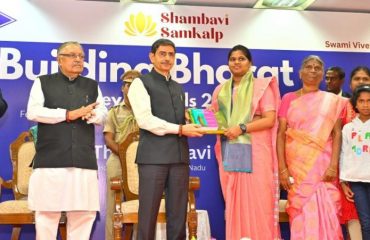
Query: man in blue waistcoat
(163, 152)
(66, 107)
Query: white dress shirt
(38, 113)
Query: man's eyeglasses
(72, 55)
(313, 68)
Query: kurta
(61, 189)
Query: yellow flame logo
(140, 25)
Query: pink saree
(313, 205)
(251, 198)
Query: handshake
(84, 112)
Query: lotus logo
(140, 25)
(5, 19)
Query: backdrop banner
(117, 37)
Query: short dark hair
(360, 68)
(338, 70)
(243, 49)
(356, 94)
(162, 42)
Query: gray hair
(65, 44)
(312, 57)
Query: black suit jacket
(3, 105)
(346, 95)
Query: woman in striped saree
(308, 147)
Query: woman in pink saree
(247, 109)
(308, 147)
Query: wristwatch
(243, 127)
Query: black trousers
(173, 180)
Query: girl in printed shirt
(355, 157)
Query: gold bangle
(332, 169)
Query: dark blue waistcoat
(167, 103)
(65, 144)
